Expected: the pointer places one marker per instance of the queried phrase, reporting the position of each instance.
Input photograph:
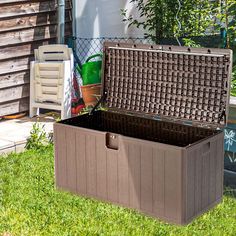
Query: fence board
(24, 22)
(15, 65)
(13, 93)
(30, 8)
(26, 49)
(14, 106)
(14, 79)
(29, 35)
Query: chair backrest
(53, 52)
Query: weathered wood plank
(8, 2)
(30, 8)
(14, 93)
(22, 50)
(24, 22)
(15, 79)
(11, 1)
(15, 106)
(34, 34)
(15, 65)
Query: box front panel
(138, 174)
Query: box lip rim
(219, 132)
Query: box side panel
(203, 176)
(65, 157)
(60, 156)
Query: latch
(112, 141)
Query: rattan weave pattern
(177, 84)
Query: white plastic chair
(51, 80)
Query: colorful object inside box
(91, 70)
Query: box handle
(112, 141)
(206, 147)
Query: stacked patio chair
(51, 80)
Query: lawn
(30, 205)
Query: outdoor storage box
(156, 144)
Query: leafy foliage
(158, 18)
(190, 43)
(38, 137)
(164, 19)
(225, 15)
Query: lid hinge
(103, 97)
(222, 116)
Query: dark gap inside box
(141, 128)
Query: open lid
(168, 82)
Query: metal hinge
(222, 116)
(100, 101)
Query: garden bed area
(30, 205)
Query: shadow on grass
(230, 192)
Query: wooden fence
(24, 26)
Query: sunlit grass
(30, 205)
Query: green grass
(30, 205)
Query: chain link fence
(86, 47)
(90, 46)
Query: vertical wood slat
(112, 175)
(91, 164)
(173, 178)
(212, 172)
(207, 165)
(158, 181)
(205, 179)
(146, 179)
(61, 174)
(123, 174)
(134, 176)
(101, 158)
(71, 159)
(81, 162)
(191, 176)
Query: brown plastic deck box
(158, 146)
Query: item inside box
(141, 128)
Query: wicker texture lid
(176, 83)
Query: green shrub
(38, 137)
